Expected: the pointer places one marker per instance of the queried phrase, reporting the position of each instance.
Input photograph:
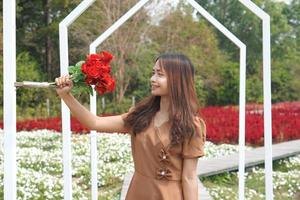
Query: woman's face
(159, 81)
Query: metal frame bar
(229, 35)
(64, 64)
(93, 99)
(242, 95)
(267, 93)
(9, 98)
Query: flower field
(222, 123)
(39, 158)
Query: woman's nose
(152, 78)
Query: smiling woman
(159, 81)
(167, 133)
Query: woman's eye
(159, 74)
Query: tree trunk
(48, 42)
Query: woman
(167, 133)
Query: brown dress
(158, 167)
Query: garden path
(256, 156)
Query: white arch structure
(267, 93)
(9, 70)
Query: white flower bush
(40, 168)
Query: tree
(285, 52)
(179, 32)
(126, 43)
(228, 90)
(30, 102)
(241, 22)
(1, 35)
(293, 14)
(37, 31)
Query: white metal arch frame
(242, 94)
(64, 64)
(9, 61)
(267, 93)
(227, 33)
(9, 99)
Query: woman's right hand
(63, 85)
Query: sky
(157, 9)
(287, 1)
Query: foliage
(140, 84)
(37, 31)
(31, 103)
(125, 44)
(138, 42)
(114, 108)
(228, 90)
(32, 99)
(284, 42)
(196, 40)
(77, 78)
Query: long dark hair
(183, 106)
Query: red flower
(91, 81)
(84, 68)
(103, 68)
(106, 57)
(109, 82)
(106, 83)
(100, 89)
(93, 57)
(93, 72)
(96, 71)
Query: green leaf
(72, 69)
(78, 64)
(76, 79)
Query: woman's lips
(154, 87)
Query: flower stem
(54, 83)
(37, 84)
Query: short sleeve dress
(157, 167)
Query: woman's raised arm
(108, 124)
(83, 115)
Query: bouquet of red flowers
(95, 70)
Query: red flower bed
(222, 123)
(54, 123)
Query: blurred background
(159, 27)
